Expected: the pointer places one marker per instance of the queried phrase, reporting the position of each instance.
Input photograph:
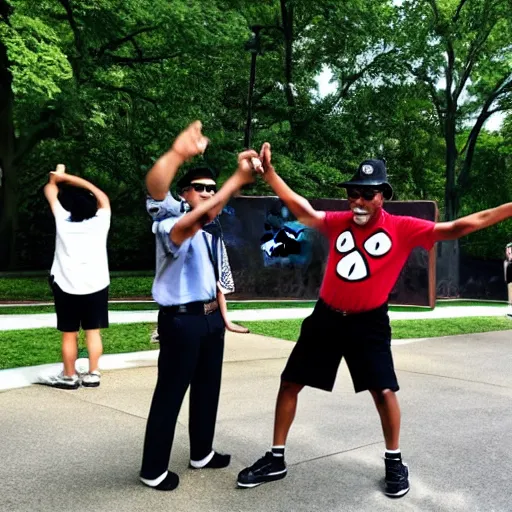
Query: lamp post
(254, 47)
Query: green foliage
(38, 65)
(490, 185)
(105, 87)
(460, 52)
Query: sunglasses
(201, 187)
(366, 193)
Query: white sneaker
(60, 381)
(91, 379)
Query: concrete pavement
(80, 450)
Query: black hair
(79, 202)
(193, 174)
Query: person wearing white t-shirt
(79, 276)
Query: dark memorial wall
(275, 257)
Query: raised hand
(266, 158)
(190, 142)
(59, 174)
(258, 167)
(248, 165)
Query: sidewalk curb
(27, 375)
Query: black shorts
(74, 311)
(327, 335)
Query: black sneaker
(266, 469)
(397, 478)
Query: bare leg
(94, 347)
(286, 406)
(389, 412)
(69, 352)
(272, 466)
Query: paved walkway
(81, 450)
(10, 322)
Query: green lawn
(38, 346)
(402, 329)
(237, 306)
(145, 306)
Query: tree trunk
(448, 269)
(287, 17)
(451, 192)
(287, 23)
(8, 179)
(448, 263)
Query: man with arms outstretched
(368, 247)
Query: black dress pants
(191, 353)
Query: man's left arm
(465, 225)
(205, 212)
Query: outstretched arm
(474, 222)
(298, 205)
(189, 143)
(205, 212)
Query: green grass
(25, 310)
(448, 302)
(237, 306)
(39, 346)
(146, 306)
(402, 329)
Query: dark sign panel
(273, 256)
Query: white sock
(278, 450)
(392, 452)
(156, 481)
(202, 463)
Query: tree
(68, 80)
(461, 51)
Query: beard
(361, 217)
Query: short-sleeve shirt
(184, 273)
(80, 262)
(364, 262)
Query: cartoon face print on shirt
(356, 263)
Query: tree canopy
(105, 85)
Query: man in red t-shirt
(367, 249)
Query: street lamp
(254, 47)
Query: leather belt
(353, 313)
(193, 308)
